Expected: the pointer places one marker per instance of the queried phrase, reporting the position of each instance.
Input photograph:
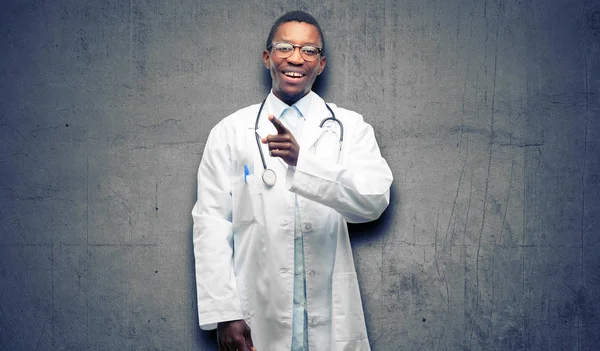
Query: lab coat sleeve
(216, 286)
(358, 189)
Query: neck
(287, 99)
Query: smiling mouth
(293, 74)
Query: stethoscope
(268, 176)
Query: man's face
(287, 85)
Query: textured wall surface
(488, 113)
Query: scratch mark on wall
(457, 32)
(130, 20)
(13, 129)
(464, 255)
(512, 169)
(156, 199)
(442, 275)
(119, 196)
(583, 173)
(493, 285)
(468, 67)
(460, 178)
(501, 238)
(53, 298)
(489, 165)
(87, 232)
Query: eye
(310, 50)
(283, 47)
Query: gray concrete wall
(488, 113)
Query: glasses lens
(283, 50)
(309, 53)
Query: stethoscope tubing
(262, 156)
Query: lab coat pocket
(246, 194)
(348, 319)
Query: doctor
(274, 267)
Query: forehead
(298, 33)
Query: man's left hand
(283, 144)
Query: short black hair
(294, 16)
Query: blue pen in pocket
(246, 173)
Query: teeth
(293, 74)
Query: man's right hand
(234, 336)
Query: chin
(292, 95)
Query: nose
(295, 57)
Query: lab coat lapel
(312, 131)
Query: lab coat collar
(303, 105)
(313, 109)
(275, 106)
(308, 105)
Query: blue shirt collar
(276, 106)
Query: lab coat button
(307, 226)
(312, 273)
(284, 271)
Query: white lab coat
(244, 230)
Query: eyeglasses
(285, 50)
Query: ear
(322, 63)
(266, 58)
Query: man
(274, 268)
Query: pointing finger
(281, 129)
(249, 342)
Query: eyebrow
(303, 44)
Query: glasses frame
(319, 50)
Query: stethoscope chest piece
(269, 177)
